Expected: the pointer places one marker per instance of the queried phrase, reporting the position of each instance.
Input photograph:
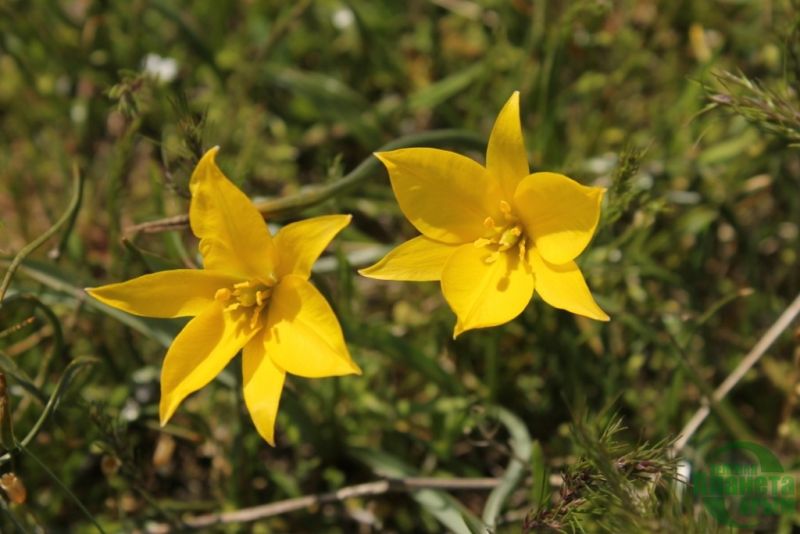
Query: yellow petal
(563, 287)
(446, 196)
(233, 236)
(485, 294)
(177, 293)
(560, 214)
(263, 383)
(506, 158)
(419, 259)
(200, 351)
(303, 336)
(300, 243)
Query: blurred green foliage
(687, 111)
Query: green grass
(687, 111)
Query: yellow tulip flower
(253, 294)
(492, 234)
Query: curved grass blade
(74, 204)
(58, 334)
(521, 448)
(441, 505)
(63, 383)
(10, 367)
(63, 486)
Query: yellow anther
(222, 294)
(482, 242)
(505, 207)
(488, 222)
(242, 285)
(491, 258)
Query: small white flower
(163, 69)
(343, 18)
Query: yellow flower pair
(491, 235)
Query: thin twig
(378, 487)
(316, 194)
(745, 365)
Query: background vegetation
(687, 110)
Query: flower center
(251, 297)
(503, 237)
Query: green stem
(77, 189)
(366, 168)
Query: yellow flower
(492, 234)
(253, 294)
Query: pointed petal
(560, 214)
(419, 260)
(200, 351)
(485, 294)
(177, 293)
(233, 236)
(300, 243)
(563, 287)
(263, 384)
(506, 158)
(446, 196)
(303, 336)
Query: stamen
(491, 258)
(223, 294)
(505, 207)
(482, 242)
(488, 222)
(262, 296)
(254, 317)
